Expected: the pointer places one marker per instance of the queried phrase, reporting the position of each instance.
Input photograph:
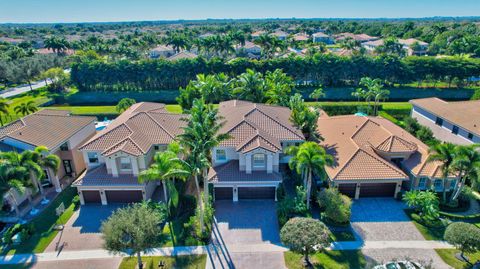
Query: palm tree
(445, 154)
(200, 136)
(374, 90)
(48, 162)
(166, 166)
(467, 164)
(251, 86)
(309, 159)
(279, 87)
(56, 44)
(26, 108)
(9, 183)
(4, 105)
(317, 93)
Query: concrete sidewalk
(173, 251)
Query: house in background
(161, 51)
(182, 55)
(357, 37)
(411, 46)
(301, 37)
(117, 154)
(249, 48)
(455, 122)
(257, 34)
(376, 158)
(322, 37)
(247, 166)
(57, 130)
(281, 35)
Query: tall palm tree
(467, 165)
(200, 136)
(26, 108)
(48, 162)
(9, 183)
(251, 86)
(309, 159)
(445, 154)
(4, 105)
(166, 166)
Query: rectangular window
(156, 147)
(92, 157)
(422, 183)
(125, 163)
(455, 129)
(64, 147)
(221, 155)
(470, 136)
(259, 160)
(439, 121)
(438, 184)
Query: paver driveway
(82, 231)
(382, 219)
(251, 229)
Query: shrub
(425, 202)
(76, 202)
(193, 224)
(25, 231)
(464, 236)
(336, 206)
(288, 208)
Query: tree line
(326, 69)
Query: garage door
(347, 189)
(124, 196)
(223, 193)
(256, 193)
(377, 189)
(91, 197)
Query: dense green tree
(124, 104)
(305, 235)
(304, 117)
(134, 228)
(464, 236)
(426, 202)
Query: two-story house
(455, 122)
(247, 166)
(117, 154)
(57, 130)
(375, 158)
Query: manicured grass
(39, 97)
(95, 110)
(448, 256)
(327, 260)
(186, 262)
(430, 233)
(44, 223)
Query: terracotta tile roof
(182, 55)
(137, 129)
(355, 140)
(161, 48)
(465, 114)
(100, 177)
(257, 125)
(48, 127)
(230, 172)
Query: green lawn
(448, 256)
(44, 223)
(184, 262)
(430, 233)
(327, 260)
(95, 110)
(39, 96)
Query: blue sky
(133, 10)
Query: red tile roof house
(247, 165)
(455, 122)
(57, 130)
(374, 157)
(116, 155)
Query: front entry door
(67, 165)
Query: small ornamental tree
(135, 228)
(426, 202)
(124, 104)
(304, 235)
(464, 236)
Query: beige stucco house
(117, 154)
(247, 166)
